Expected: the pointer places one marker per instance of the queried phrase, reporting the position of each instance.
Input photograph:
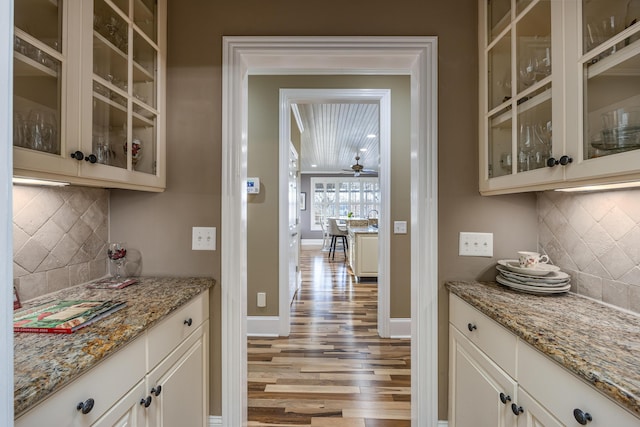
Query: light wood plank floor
(333, 370)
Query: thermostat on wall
(253, 185)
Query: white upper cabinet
(93, 72)
(559, 93)
(45, 112)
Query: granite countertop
(43, 363)
(597, 342)
(363, 230)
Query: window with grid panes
(337, 196)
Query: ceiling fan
(358, 169)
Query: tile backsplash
(595, 237)
(59, 237)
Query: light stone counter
(363, 230)
(44, 363)
(598, 343)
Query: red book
(63, 316)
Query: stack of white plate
(543, 279)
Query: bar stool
(336, 233)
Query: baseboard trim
(311, 242)
(400, 328)
(263, 326)
(443, 423)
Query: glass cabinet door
(38, 68)
(519, 72)
(611, 70)
(125, 89)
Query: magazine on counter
(63, 316)
(112, 283)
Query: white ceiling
(333, 134)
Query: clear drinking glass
(117, 252)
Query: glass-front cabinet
(42, 68)
(610, 88)
(105, 94)
(559, 93)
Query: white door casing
(6, 214)
(292, 231)
(383, 98)
(413, 56)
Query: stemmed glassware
(117, 252)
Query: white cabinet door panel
(476, 384)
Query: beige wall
(160, 224)
(262, 210)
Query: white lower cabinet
(476, 385)
(486, 391)
(531, 413)
(363, 254)
(178, 385)
(128, 411)
(160, 379)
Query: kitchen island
(46, 363)
(597, 343)
(363, 251)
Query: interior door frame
(6, 214)
(383, 98)
(413, 56)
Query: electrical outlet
(476, 244)
(203, 239)
(262, 299)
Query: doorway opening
(289, 97)
(413, 56)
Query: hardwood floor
(333, 369)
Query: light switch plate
(476, 244)
(203, 239)
(399, 227)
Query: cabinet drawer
(497, 342)
(166, 335)
(105, 384)
(561, 392)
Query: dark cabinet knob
(517, 410)
(471, 327)
(86, 406)
(78, 155)
(504, 398)
(146, 402)
(91, 158)
(188, 322)
(582, 417)
(156, 390)
(563, 161)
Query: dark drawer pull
(188, 322)
(517, 410)
(471, 327)
(156, 390)
(582, 417)
(146, 402)
(86, 406)
(504, 398)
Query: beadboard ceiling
(333, 134)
